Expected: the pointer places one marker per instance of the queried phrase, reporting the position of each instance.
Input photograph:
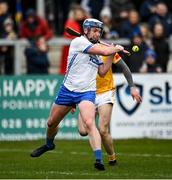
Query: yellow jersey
(106, 83)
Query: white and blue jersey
(81, 67)
(80, 80)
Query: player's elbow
(101, 73)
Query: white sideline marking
(86, 153)
(145, 155)
(55, 172)
(58, 173)
(75, 173)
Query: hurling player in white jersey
(79, 86)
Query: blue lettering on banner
(158, 95)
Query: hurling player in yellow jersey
(104, 104)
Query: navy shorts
(69, 98)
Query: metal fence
(20, 44)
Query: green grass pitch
(137, 159)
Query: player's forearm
(104, 50)
(126, 71)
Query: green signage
(25, 103)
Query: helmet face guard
(90, 23)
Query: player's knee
(82, 133)
(103, 130)
(51, 123)
(89, 124)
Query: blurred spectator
(36, 57)
(162, 16)
(61, 10)
(3, 15)
(120, 12)
(135, 60)
(169, 4)
(147, 9)
(75, 20)
(105, 17)
(7, 52)
(121, 8)
(150, 65)
(18, 14)
(34, 26)
(131, 26)
(76, 17)
(93, 7)
(9, 32)
(146, 34)
(161, 46)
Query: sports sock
(112, 157)
(49, 142)
(98, 154)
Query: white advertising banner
(153, 117)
